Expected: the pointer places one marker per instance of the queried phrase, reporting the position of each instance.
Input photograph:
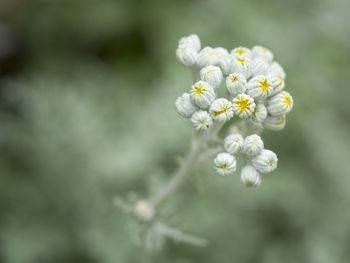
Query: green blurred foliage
(87, 91)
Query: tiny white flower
(253, 145)
(274, 123)
(207, 57)
(280, 104)
(202, 94)
(259, 51)
(278, 83)
(191, 41)
(276, 68)
(186, 55)
(250, 176)
(265, 162)
(260, 66)
(184, 106)
(243, 105)
(201, 120)
(221, 110)
(259, 87)
(242, 65)
(212, 75)
(225, 164)
(144, 210)
(233, 143)
(242, 52)
(260, 113)
(236, 83)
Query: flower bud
(144, 210)
(280, 104)
(242, 52)
(201, 120)
(265, 162)
(225, 164)
(186, 55)
(221, 110)
(276, 68)
(236, 83)
(243, 105)
(278, 83)
(260, 113)
(226, 64)
(275, 123)
(242, 65)
(260, 66)
(191, 41)
(202, 94)
(184, 106)
(207, 57)
(253, 145)
(212, 75)
(259, 51)
(259, 87)
(233, 143)
(250, 177)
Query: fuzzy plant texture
(242, 84)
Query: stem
(187, 166)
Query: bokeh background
(86, 111)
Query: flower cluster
(254, 85)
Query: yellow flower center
(225, 109)
(265, 50)
(287, 100)
(240, 51)
(243, 105)
(281, 120)
(234, 79)
(281, 82)
(265, 86)
(243, 61)
(199, 90)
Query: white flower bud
(221, 110)
(265, 162)
(242, 52)
(226, 63)
(280, 104)
(221, 52)
(259, 51)
(250, 177)
(184, 106)
(201, 120)
(202, 94)
(243, 105)
(212, 75)
(275, 123)
(186, 55)
(236, 83)
(225, 164)
(191, 41)
(242, 65)
(259, 87)
(260, 113)
(260, 66)
(207, 57)
(278, 83)
(253, 145)
(144, 210)
(233, 143)
(276, 68)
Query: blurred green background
(86, 109)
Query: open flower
(225, 164)
(202, 94)
(221, 110)
(243, 105)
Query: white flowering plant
(243, 84)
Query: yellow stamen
(265, 86)
(199, 90)
(225, 109)
(243, 105)
(240, 51)
(243, 61)
(287, 100)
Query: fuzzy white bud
(226, 63)
(243, 105)
(250, 176)
(221, 110)
(191, 41)
(259, 51)
(202, 94)
(201, 120)
(265, 162)
(276, 68)
(212, 75)
(184, 106)
(242, 52)
(260, 113)
(242, 65)
(207, 57)
(280, 104)
(278, 83)
(259, 87)
(275, 123)
(236, 83)
(225, 164)
(233, 143)
(260, 66)
(186, 55)
(253, 145)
